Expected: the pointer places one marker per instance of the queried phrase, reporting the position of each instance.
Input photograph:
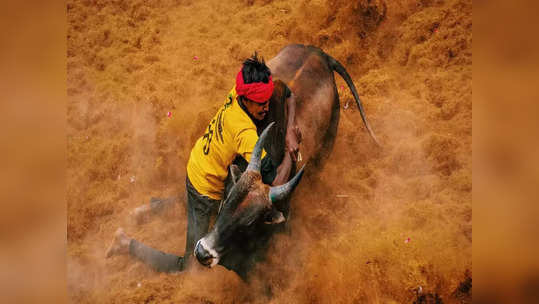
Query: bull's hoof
(119, 245)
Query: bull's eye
(268, 217)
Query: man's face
(258, 110)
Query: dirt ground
(376, 225)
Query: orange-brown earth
(131, 62)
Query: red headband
(256, 91)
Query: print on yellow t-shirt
(231, 132)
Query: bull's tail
(339, 68)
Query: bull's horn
(278, 193)
(254, 164)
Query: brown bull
(241, 231)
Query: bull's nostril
(203, 256)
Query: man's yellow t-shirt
(231, 132)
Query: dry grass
(130, 62)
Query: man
(229, 138)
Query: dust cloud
(375, 224)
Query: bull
(252, 211)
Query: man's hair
(255, 70)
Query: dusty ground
(131, 62)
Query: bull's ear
(275, 217)
(236, 173)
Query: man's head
(255, 86)
(256, 109)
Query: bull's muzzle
(205, 255)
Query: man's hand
(293, 139)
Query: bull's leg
(143, 213)
(319, 160)
(158, 260)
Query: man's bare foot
(120, 244)
(140, 214)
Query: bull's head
(248, 203)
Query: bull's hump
(288, 61)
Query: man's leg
(158, 260)
(199, 211)
(157, 205)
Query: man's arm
(283, 171)
(293, 138)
